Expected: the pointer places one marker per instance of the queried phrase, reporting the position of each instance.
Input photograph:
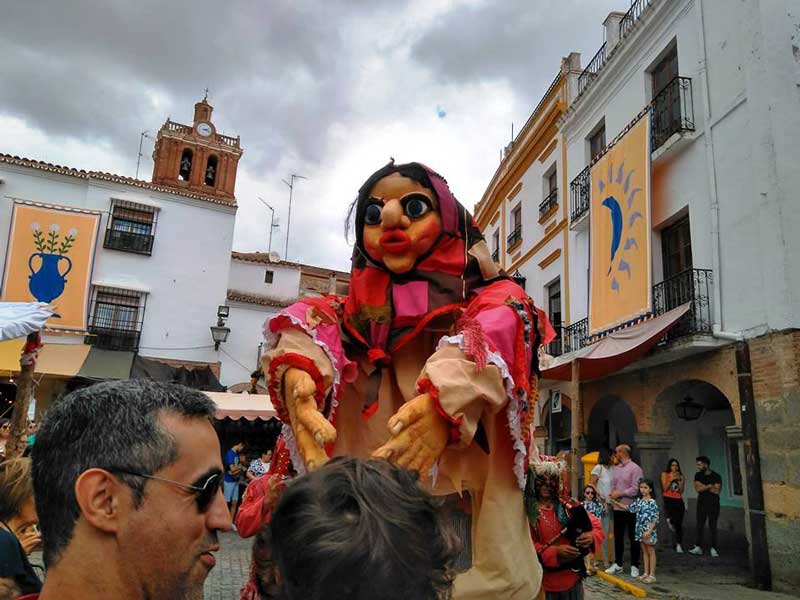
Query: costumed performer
(430, 362)
(561, 528)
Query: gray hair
(111, 425)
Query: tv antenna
(272, 224)
(143, 135)
(290, 184)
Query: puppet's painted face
(401, 222)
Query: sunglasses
(203, 494)
(588, 493)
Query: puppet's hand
(419, 435)
(312, 430)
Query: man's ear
(103, 499)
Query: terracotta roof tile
(263, 258)
(80, 173)
(248, 298)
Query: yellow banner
(620, 274)
(49, 259)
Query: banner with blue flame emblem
(620, 273)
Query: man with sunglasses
(133, 509)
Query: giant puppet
(429, 362)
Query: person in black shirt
(707, 484)
(18, 531)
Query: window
(496, 245)
(268, 276)
(665, 71)
(185, 167)
(211, 171)
(131, 227)
(676, 248)
(550, 193)
(552, 182)
(554, 313)
(116, 318)
(597, 142)
(516, 224)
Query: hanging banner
(620, 273)
(49, 258)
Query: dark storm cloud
(518, 42)
(278, 72)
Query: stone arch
(611, 422)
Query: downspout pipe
(716, 250)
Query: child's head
(360, 529)
(590, 493)
(646, 488)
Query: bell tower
(196, 157)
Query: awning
(616, 350)
(198, 378)
(62, 360)
(106, 364)
(238, 406)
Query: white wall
(186, 275)
(752, 126)
(239, 354)
(249, 277)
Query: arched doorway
(611, 423)
(708, 436)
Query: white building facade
(720, 80)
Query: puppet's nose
(392, 215)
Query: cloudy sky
(328, 89)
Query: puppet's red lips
(395, 242)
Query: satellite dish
(274, 257)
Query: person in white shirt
(259, 466)
(602, 478)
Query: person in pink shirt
(624, 489)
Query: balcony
(128, 241)
(632, 16)
(496, 255)
(556, 347)
(586, 78)
(692, 285)
(515, 237)
(579, 194)
(108, 338)
(548, 204)
(673, 111)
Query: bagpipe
(578, 522)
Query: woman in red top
(672, 483)
(548, 514)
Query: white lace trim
(271, 340)
(512, 406)
(294, 451)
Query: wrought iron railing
(579, 191)
(496, 255)
(113, 339)
(548, 203)
(632, 16)
(591, 70)
(514, 237)
(575, 335)
(129, 241)
(673, 111)
(556, 347)
(692, 285)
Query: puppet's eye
(372, 216)
(416, 206)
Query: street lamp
(689, 409)
(219, 333)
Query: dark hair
(362, 529)
(604, 456)
(589, 486)
(669, 464)
(107, 425)
(704, 459)
(650, 483)
(356, 209)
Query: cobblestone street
(230, 574)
